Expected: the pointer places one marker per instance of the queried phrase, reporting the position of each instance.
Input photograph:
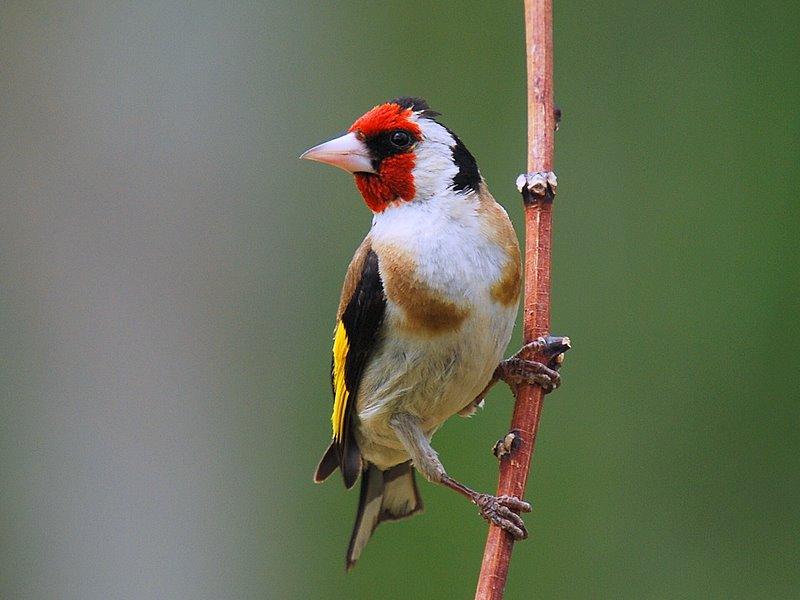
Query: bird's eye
(400, 139)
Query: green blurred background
(169, 272)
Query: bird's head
(398, 152)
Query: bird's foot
(499, 510)
(517, 370)
(537, 185)
(495, 509)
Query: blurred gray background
(169, 273)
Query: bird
(427, 309)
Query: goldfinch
(427, 309)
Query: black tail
(385, 496)
(346, 456)
(328, 464)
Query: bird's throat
(393, 183)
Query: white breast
(445, 238)
(434, 377)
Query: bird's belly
(431, 377)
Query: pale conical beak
(346, 152)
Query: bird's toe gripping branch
(499, 510)
(518, 370)
(538, 186)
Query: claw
(557, 345)
(499, 510)
(551, 346)
(516, 370)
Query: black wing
(357, 335)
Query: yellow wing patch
(341, 345)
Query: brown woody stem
(536, 318)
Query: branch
(536, 317)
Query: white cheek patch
(434, 169)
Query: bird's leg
(495, 509)
(516, 370)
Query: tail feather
(385, 496)
(350, 462)
(346, 456)
(328, 464)
(400, 494)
